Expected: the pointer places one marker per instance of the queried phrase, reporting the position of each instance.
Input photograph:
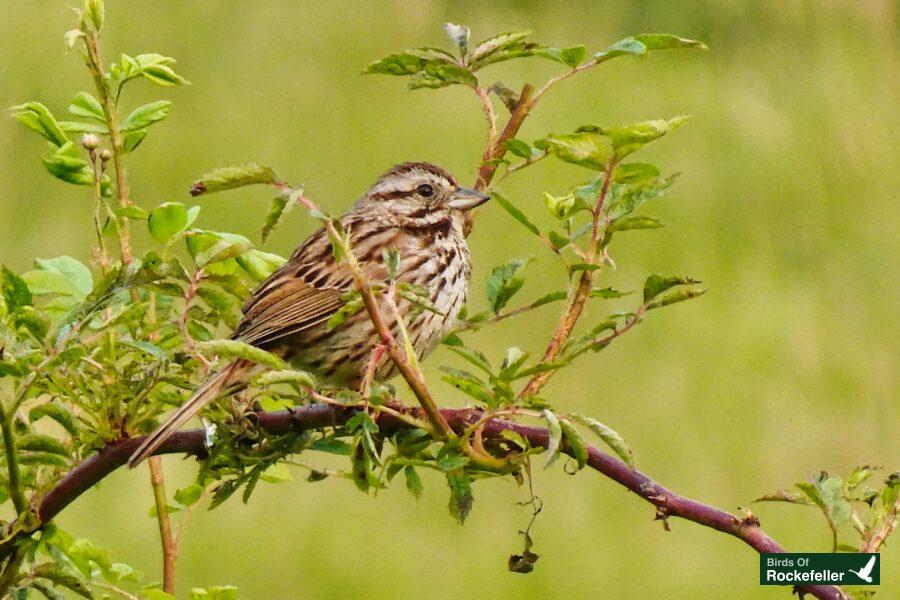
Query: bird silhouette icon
(866, 572)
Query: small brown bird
(416, 208)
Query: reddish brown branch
(668, 504)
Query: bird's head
(419, 190)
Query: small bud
(105, 155)
(90, 141)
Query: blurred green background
(787, 210)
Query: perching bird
(416, 208)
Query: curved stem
(668, 504)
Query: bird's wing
(303, 293)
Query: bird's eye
(425, 190)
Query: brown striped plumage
(417, 208)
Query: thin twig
(115, 136)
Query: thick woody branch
(668, 504)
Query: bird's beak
(467, 199)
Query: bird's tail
(211, 389)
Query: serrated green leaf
(657, 284)
(146, 115)
(259, 265)
(468, 384)
(413, 481)
(229, 178)
(554, 437)
(635, 173)
(236, 349)
(575, 441)
(85, 105)
(167, 220)
(632, 223)
(207, 247)
(473, 356)
(504, 282)
(668, 41)
(609, 436)
(96, 12)
(585, 148)
(301, 378)
(461, 498)
(38, 117)
(58, 412)
(677, 296)
(36, 442)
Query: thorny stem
(115, 137)
(890, 524)
(488, 108)
(167, 539)
(317, 416)
(576, 304)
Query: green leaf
(607, 293)
(514, 359)
(258, 264)
(548, 298)
(496, 44)
(576, 442)
(85, 105)
(332, 446)
(555, 437)
(609, 436)
(234, 349)
(459, 35)
(517, 214)
(35, 442)
(413, 481)
(95, 12)
(452, 462)
(38, 117)
(627, 139)
(16, 294)
(167, 220)
(352, 305)
(190, 495)
(518, 147)
(631, 223)
(406, 63)
(657, 284)
(132, 211)
(473, 356)
(438, 74)
(571, 57)
(74, 271)
(207, 247)
(626, 47)
(468, 384)
(635, 173)
(56, 411)
(504, 282)
(677, 296)
(301, 378)
(585, 148)
(229, 178)
(133, 139)
(79, 127)
(281, 205)
(217, 592)
(461, 498)
(668, 41)
(170, 509)
(163, 76)
(64, 164)
(146, 115)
